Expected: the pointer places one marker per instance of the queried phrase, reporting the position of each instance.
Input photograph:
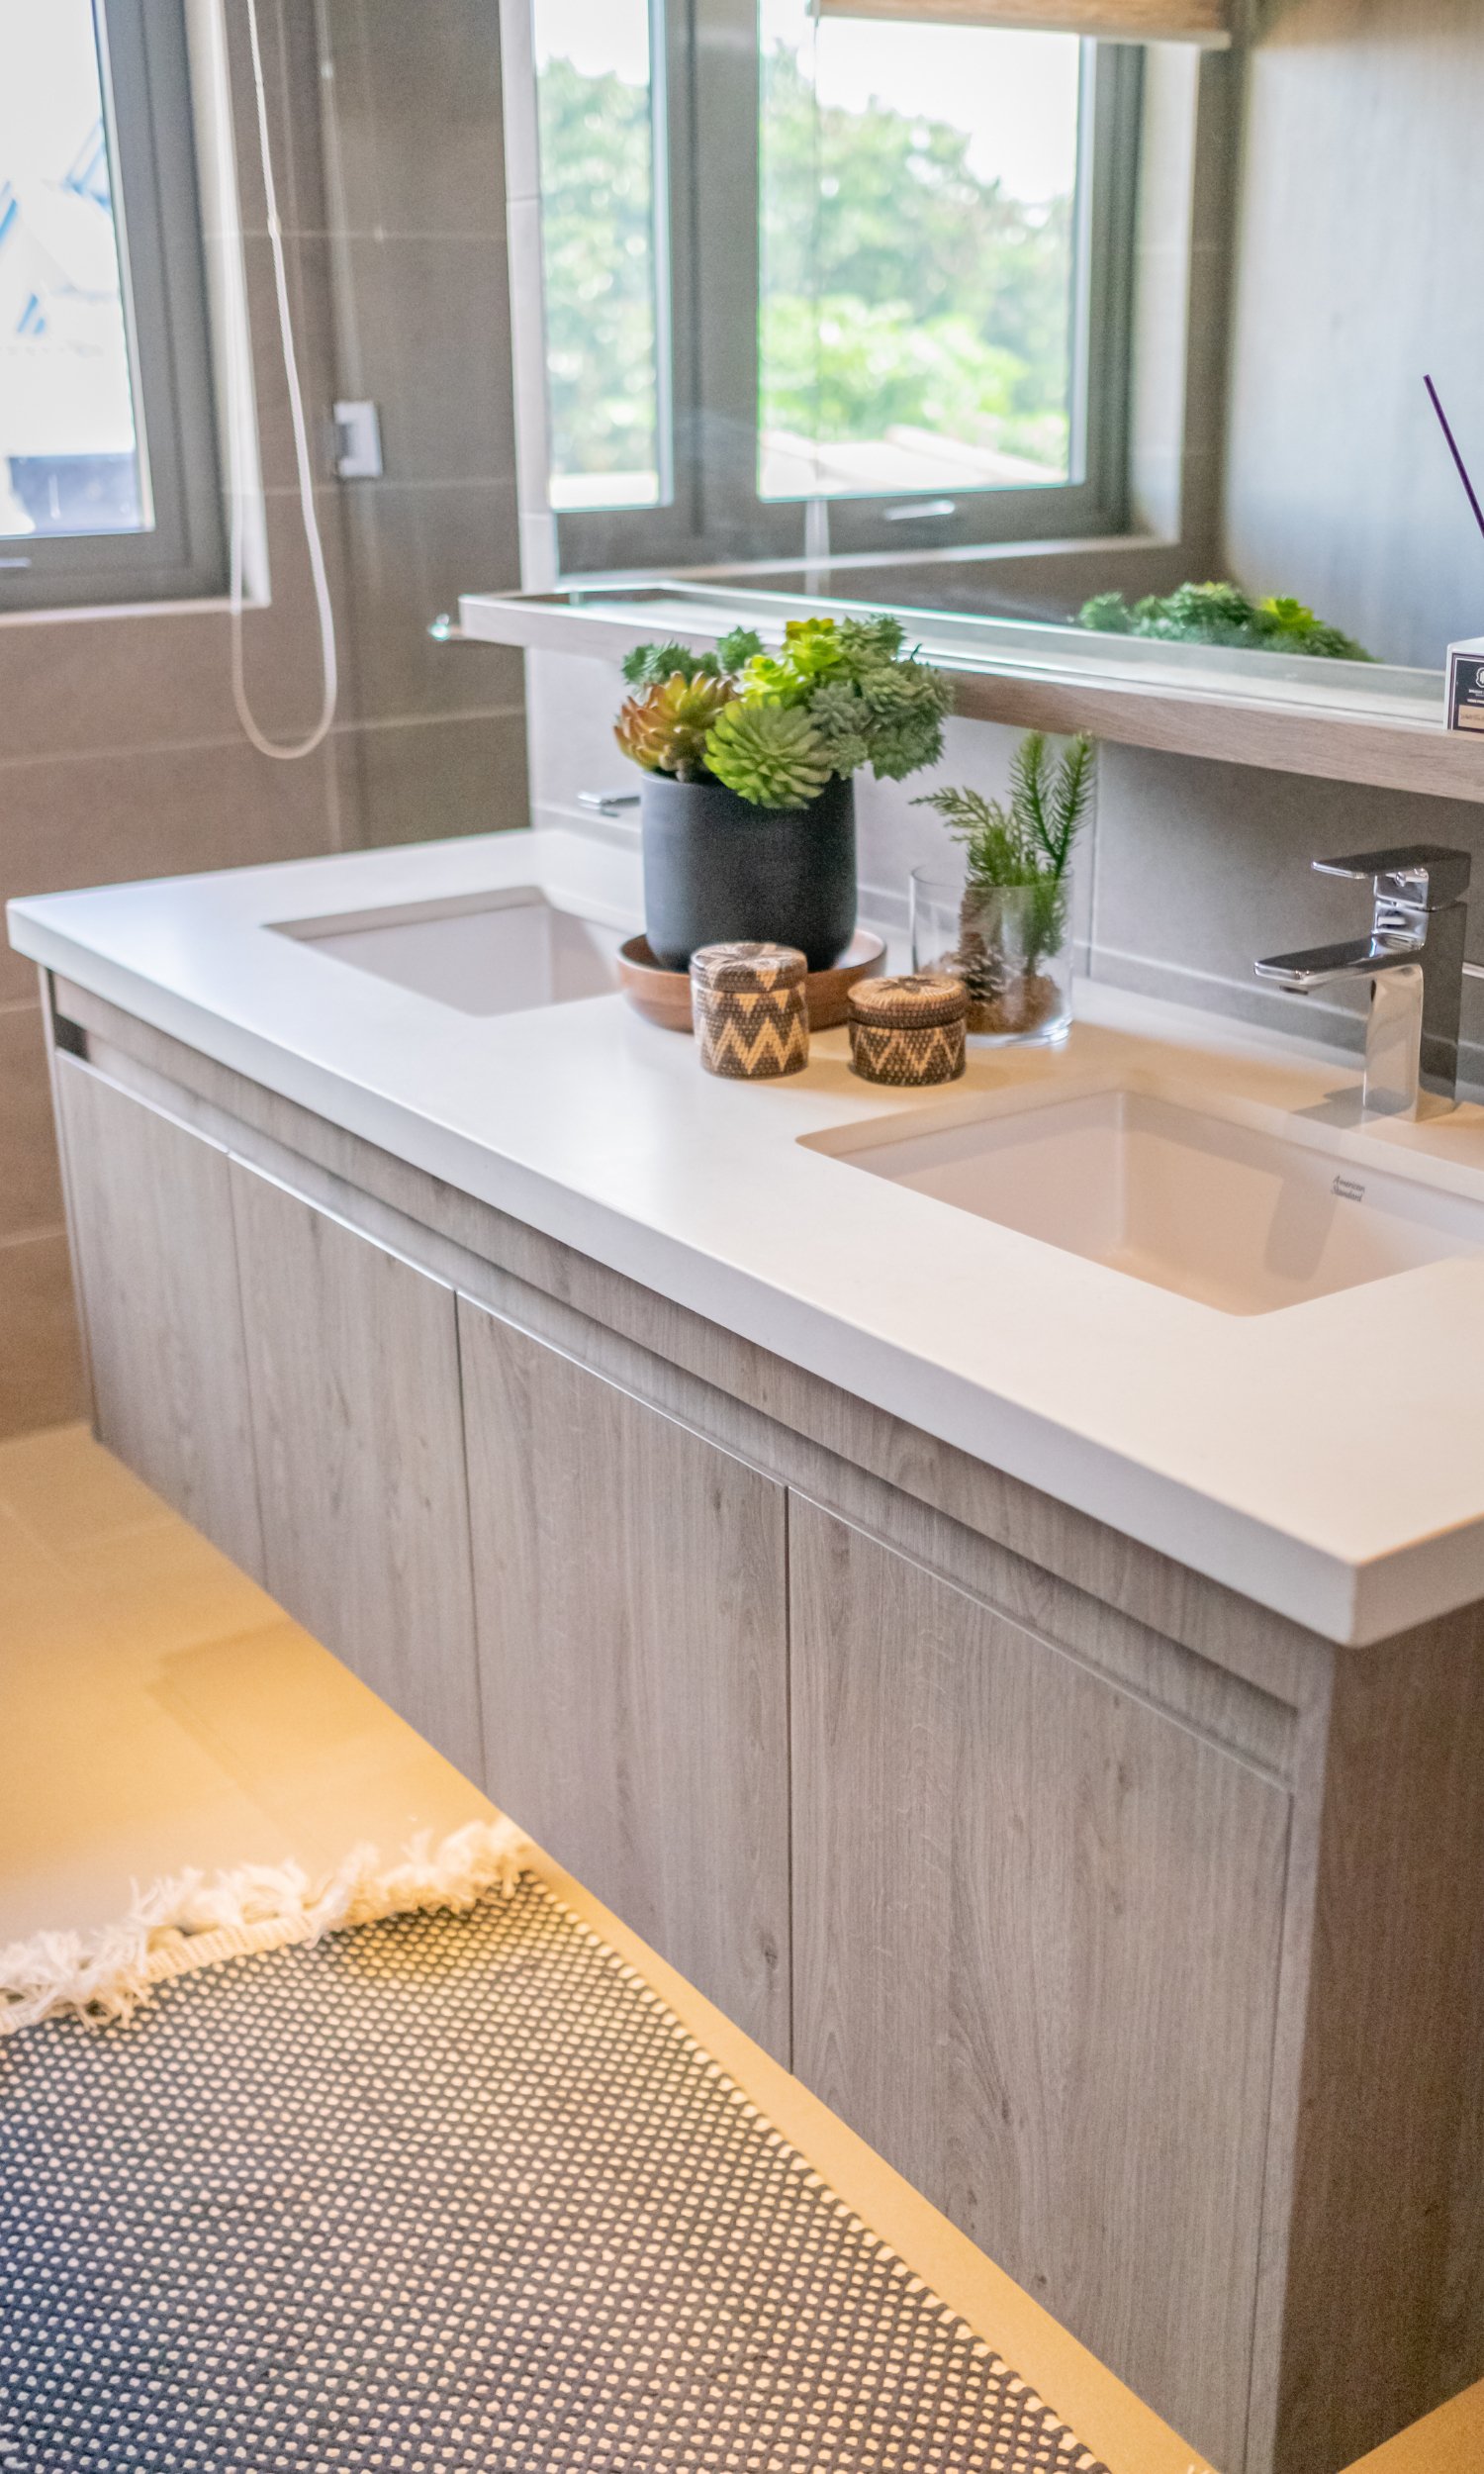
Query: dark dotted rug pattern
(452, 2195)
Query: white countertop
(1327, 1460)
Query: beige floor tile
(40, 1603)
(250, 1749)
(72, 1493)
(158, 1710)
(72, 1846)
(318, 1752)
(165, 1588)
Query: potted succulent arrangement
(1002, 926)
(748, 811)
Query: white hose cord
(240, 417)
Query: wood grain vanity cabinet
(1139, 1928)
(630, 1580)
(1037, 1920)
(353, 1374)
(155, 1259)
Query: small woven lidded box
(909, 1029)
(750, 1011)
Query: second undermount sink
(497, 952)
(1175, 1194)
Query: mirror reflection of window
(795, 259)
(918, 208)
(596, 91)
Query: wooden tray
(664, 996)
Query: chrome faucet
(1413, 961)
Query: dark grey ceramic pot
(718, 871)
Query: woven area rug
(446, 2192)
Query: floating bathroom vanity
(989, 1585)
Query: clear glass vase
(1010, 944)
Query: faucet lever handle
(1421, 876)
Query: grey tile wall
(120, 752)
(461, 773)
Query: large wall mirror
(982, 307)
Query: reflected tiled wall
(120, 752)
(414, 184)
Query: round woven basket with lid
(750, 1011)
(908, 1030)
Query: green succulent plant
(869, 705)
(843, 719)
(870, 643)
(908, 702)
(649, 665)
(811, 656)
(735, 651)
(1222, 614)
(857, 698)
(770, 754)
(665, 729)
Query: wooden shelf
(1050, 690)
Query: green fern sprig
(1053, 799)
(1028, 841)
(995, 846)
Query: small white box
(1467, 685)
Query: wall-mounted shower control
(357, 440)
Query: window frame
(149, 128)
(706, 110)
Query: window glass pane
(597, 227)
(917, 202)
(70, 446)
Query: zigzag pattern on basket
(924, 1053)
(755, 1052)
(753, 1034)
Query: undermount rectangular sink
(499, 952)
(1189, 1200)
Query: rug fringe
(188, 1922)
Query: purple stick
(1443, 417)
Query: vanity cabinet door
(631, 1591)
(1035, 1950)
(352, 1357)
(149, 1204)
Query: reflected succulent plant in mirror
(1222, 614)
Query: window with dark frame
(813, 279)
(110, 486)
